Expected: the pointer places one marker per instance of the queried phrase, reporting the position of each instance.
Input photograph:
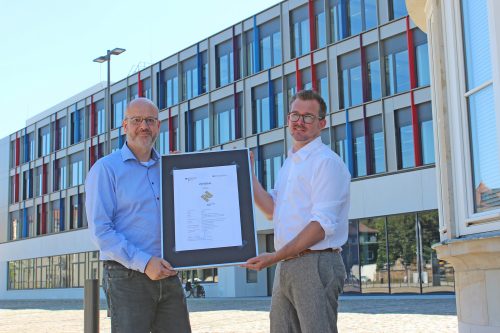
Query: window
(62, 133)
(60, 271)
(57, 215)
(320, 23)
(200, 128)
(299, 31)
(291, 88)
(421, 57)
(270, 44)
(171, 86)
(38, 181)
(322, 83)
(133, 92)
(340, 140)
(224, 63)
(397, 9)
(190, 78)
(374, 88)
(13, 186)
(377, 144)
(426, 133)
(261, 110)
(362, 15)
(76, 169)
(404, 138)
(77, 126)
(483, 130)
(60, 174)
(146, 88)
(164, 139)
(100, 117)
(29, 147)
(15, 225)
(359, 146)
(208, 275)
(224, 120)
(373, 256)
(76, 211)
(397, 75)
(350, 85)
(306, 77)
(279, 109)
(249, 53)
(338, 24)
(28, 184)
(119, 104)
(272, 159)
(30, 212)
(44, 141)
(351, 17)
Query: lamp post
(101, 59)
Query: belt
(112, 263)
(308, 251)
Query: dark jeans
(139, 304)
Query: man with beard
(123, 210)
(309, 206)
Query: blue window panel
(120, 137)
(25, 221)
(371, 20)
(484, 147)
(256, 46)
(76, 137)
(189, 131)
(355, 17)
(199, 64)
(272, 113)
(348, 129)
(477, 44)
(375, 88)
(61, 214)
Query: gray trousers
(141, 305)
(305, 294)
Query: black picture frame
(213, 257)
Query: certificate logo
(207, 196)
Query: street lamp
(101, 59)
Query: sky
(47, 47)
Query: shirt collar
(127, 154)
(304, 152)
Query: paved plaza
(212, 315)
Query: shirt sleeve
(101, 208)
(330, 195)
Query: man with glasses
(309, 206)
(123, 209)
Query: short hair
(311, 95)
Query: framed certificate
(207, 209)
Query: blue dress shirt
(123, 208)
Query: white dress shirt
(312, 185)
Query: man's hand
(158, 269)
(262, 261)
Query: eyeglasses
(306, 118)
(137, 121)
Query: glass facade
(367, 81)
(61, 271)
(395, 255)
